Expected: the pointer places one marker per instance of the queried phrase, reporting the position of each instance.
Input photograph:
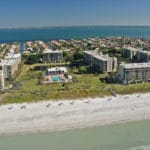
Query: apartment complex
(100, 62)
(134, 73)
(136, 54)
(2, 81)
(143, 56)
(52, 56)
(130, 52)
(9, 65)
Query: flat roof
(57, 69)
(11, 62)
(98, 55)
(51, 51)
(8, 62)
(12, 56)
(135, 65)
(16, 56)
(131, 48)
(9, 56)
(146, 52)
(3, 62)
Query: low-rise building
(57, 70)
(100, 62)
(134, 73)
(129, 52)
(52, 56)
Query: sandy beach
(62, 115)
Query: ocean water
(77, 32)
(127, 136)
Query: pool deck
(49, 79)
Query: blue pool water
(56, 78)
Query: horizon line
(57, 26)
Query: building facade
(134, 73)
(100, 62)
(2, 80)
(130, 52)
(10, 65)
(143, 56)
(57, 70)
(52, 56)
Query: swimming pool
(56, 78)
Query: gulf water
(127, 136)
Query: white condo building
(143, 56)
(134, 73)
(100, 62)
(130, 52)
(49, 55)
(9, 65)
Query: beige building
(129, 52)
(100, 62)
(52, 56)
(134, 73)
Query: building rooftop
(98, 55)
(131, 48)
(54, 69)
(3, 62)
(135, 65)
(15, 56)
(9, 56)
(11, 62)
(51, 51)
(12, 56)
(146, 52)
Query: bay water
(75, 32)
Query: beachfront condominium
(136, 54)
(134, 73)
(143, 56)
(2, 81)
(9, 65)
(100, 62)
(49, 55)
(130, 52)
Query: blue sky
(27, 13)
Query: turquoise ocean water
(128, 136)
(77, 32)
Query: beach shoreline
(51, 116)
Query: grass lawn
(85, 85)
